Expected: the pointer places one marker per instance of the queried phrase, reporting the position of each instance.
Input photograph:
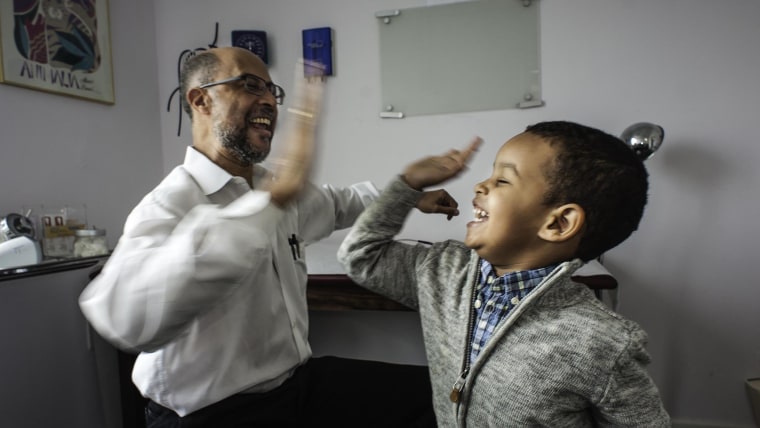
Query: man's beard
(236, 141)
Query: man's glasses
(254, 85)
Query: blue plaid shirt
(497, 296)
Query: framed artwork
(57, 46)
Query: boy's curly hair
(601, 174)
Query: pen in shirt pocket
(295, 247)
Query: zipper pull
(456, 390)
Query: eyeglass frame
(272, 87)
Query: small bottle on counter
(90, 243)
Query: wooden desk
(337, 292)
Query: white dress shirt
(209, 285)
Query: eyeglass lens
(257, 86)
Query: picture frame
(58, 47)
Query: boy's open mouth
(479, 214)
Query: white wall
(58, 150)
(689, 65)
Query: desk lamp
(643, 138)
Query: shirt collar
(209, 176)
(514, 281)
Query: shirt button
(515, 300)
(477, 304)
(489, 306)
(489, 280)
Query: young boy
(511, 339)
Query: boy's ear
(563, 223)
(199, 100)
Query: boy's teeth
(479, 214)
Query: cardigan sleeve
(370, 255)
(631, 398)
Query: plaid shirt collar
(495, 297)
(519, 282)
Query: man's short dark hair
(600, 173)
(203, 65)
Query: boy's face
(507, 206)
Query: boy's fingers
(472, 148)
(464, 156)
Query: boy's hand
(437, 169)
(438, 201)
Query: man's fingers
(307, 92)
(293, 167)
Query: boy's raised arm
(437, 169)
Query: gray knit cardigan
(560, 359)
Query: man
(208, 279)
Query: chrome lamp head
(643, 138)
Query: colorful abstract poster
(58, 46)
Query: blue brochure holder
(317, 47)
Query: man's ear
(199, 100)
(563, 223)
